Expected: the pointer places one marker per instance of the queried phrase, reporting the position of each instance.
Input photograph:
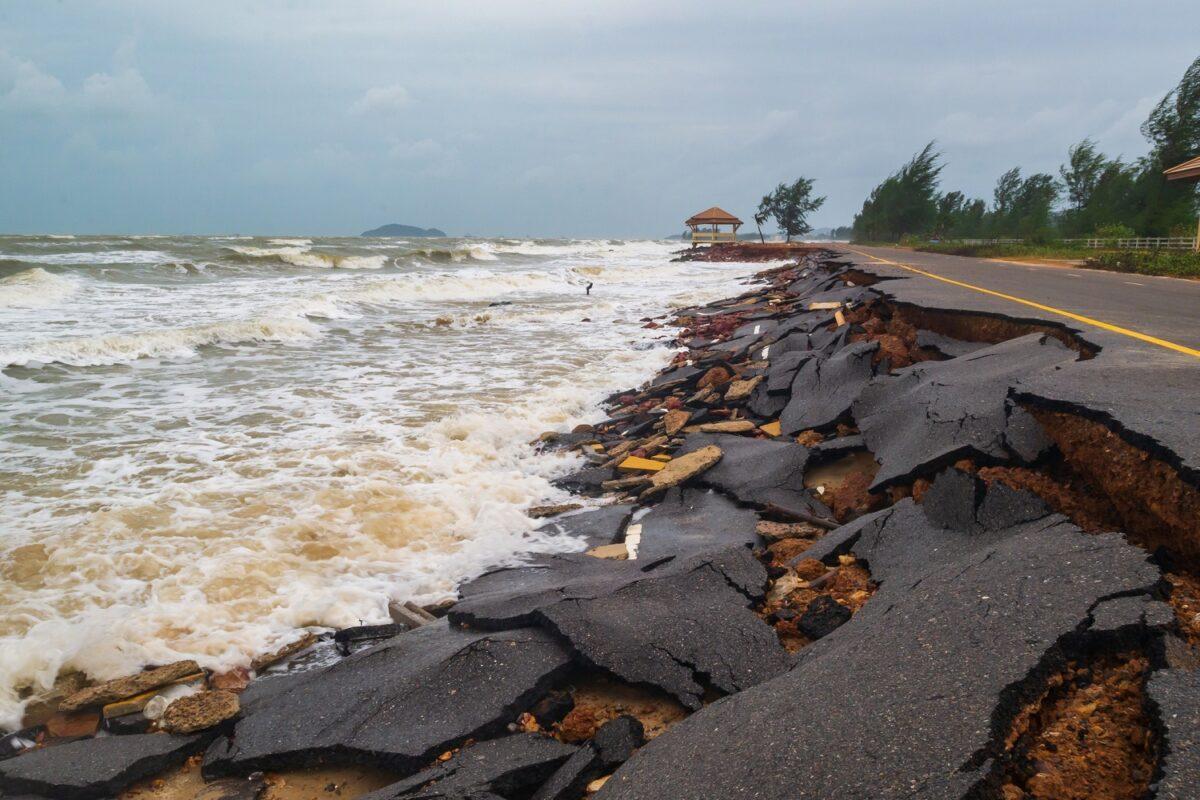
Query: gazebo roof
(1188, 169)
(714, 215)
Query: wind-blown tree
(905, 203)
(1101, 192)
(1023, 206)
(762, 215)
(790, 205)
(1173, 129)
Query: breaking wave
(464, 285)
(302, 256)
(93, 351)
(34, 288)
(474, 252)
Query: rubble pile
(842, 546)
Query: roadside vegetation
(789, 205)
(1093, 196)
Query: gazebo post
(1187, 171)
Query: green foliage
(1114, 231)
(906, 202)
(790, 205)
(1178, 263)
(1099, 192)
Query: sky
(523, 118)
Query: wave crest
(94, 351)
(302, 256)
(34, 288)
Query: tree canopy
(789, 205)
(1098, 193)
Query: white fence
(1139, 243)
(1097, 243)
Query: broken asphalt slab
(396, 705)
(677, 618)
(95, 768)
(912, 696)
(824, 388)
(501, 767)
(760, 472)
(933, 413)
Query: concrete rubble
(848, 547)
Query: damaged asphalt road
(916, 651)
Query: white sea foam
(35, 288)
(91, 351)
(207, 502)
(303, 256)
(94, 257)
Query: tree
(1173, 129)
(790, 205)
(905, 203)
(763, 214)
(1082, 176)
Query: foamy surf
(219, 458)
(166, 343)
(35, 288)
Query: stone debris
(290, 649)
(674, 421)
(121, 688)
(954, 638)
(200, 711)
(682, 469)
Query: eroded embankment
(835, 513)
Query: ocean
(210, 443)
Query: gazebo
(1187, 171)
(706, 226)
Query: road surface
(1164, 309)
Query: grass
(1175, 263)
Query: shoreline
(784, 515)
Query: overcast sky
(619, 118)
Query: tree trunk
(760, 236)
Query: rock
(126, 724)
(586, 481)
(934, 413)
(625, 484)
(673, 421)
(681, 469)
(234, 680)
(72, 725)
(200, 711)
(730, 426)
(717, 376)
(537, 512)
(290, 649)
(95, 768)
(809, 569)
(959, 622)
(823, 616)
(779, 531)
(391, 704)
(824, 389)
(120, 688)
(498, 767)
(740, 390)
(612, 745)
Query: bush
(1178, 263)
(1115, 231)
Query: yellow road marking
(1050, 309)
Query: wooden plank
(645, 464)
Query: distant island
(403, 230)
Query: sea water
(210, 443)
